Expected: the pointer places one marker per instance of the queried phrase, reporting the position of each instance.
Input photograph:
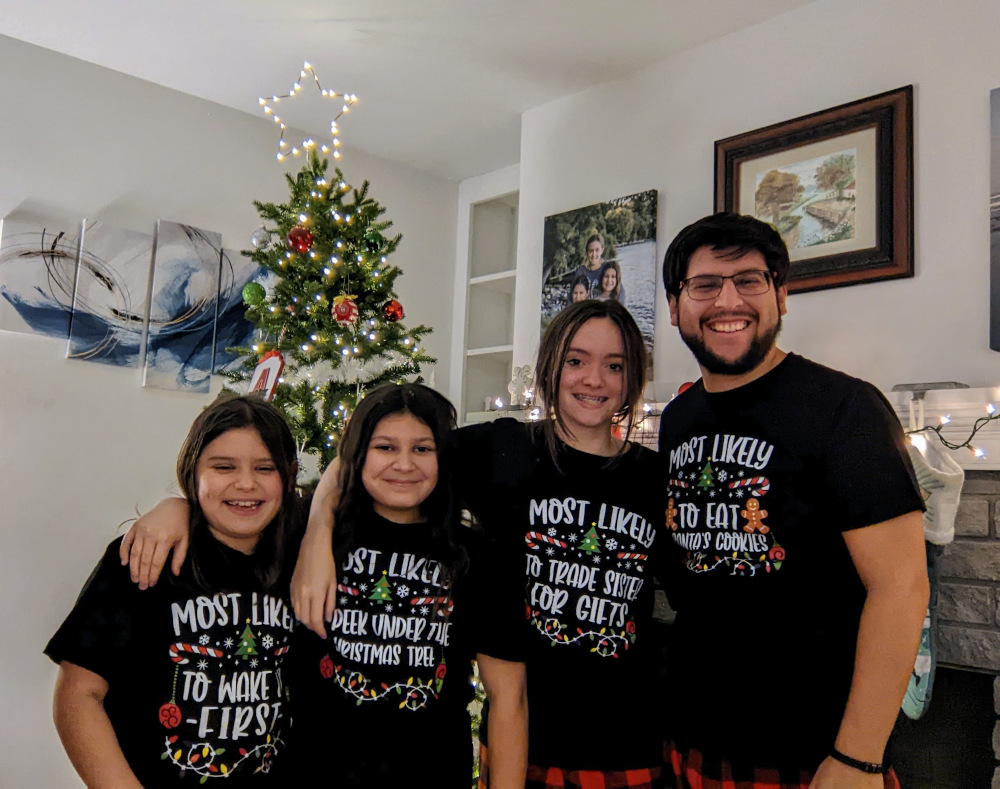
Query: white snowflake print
(388, 607)
(711, 494)
(202, 665)
(573, 537)
(343, 601)
(739, 493)
(267, 641)
(740, 473)
(628, 565)
(203, 640)
(402, 590)
(427, 591)
(680, 475)
(611, 543)
(363, 587)
(597, 559)
(253, 663)
(550, 551)
(424, 610)
(551, 532)
(722, 476)
(228, 643)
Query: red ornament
(345, 310)
(299, 239)
(393, 310)
(326, 667)
(442, 669)
(170, 715)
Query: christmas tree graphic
(327, 305)
(248, 644)
(590, 543)
(382, 590)
(705, 479)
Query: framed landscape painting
(837, 185)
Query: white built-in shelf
(493, 349)
(502, 281)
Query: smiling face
(610, 280)
(592, 383)
(401, 467)
(732, 336)
(579, 292)
(239, 488)
(595, 251)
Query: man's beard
(758, 350)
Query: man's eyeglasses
(704, 287)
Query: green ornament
(254, 294)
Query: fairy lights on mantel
(955, 417)
(270, 109)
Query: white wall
(656, 130)
(82, 445)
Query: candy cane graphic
(532, 538)
(446, 601)
(348, 590)
(194, 649)
(281, 650)
(678, 483)
(758, 485)
(639, 557)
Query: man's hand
(835, 775)
(314, 583)
(146, 545)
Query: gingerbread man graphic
(755, 517)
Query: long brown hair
(440, 508)
(230, 413)
(552, 357)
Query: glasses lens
(751, 283)
(704, 287)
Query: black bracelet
(865, 767)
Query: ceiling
(441, 84)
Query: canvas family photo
(603, 251)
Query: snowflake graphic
(388, 607)
(402, 590)
(551, 532)
(573, 537)
(343, 601)
(427, 591)
(204, 640)
(363, 587)
(611, 543)
(228, 643)
(202, 665)
(712, 494)
(424, 610)
(680, 475)
(628, 565)
(739, 493)
(550, 551)
(253, 663)
(597, 560)
(740, 473)
(267, 641)
(722, 476)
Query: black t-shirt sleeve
(97, 632)
(494, 587)
(867, 468)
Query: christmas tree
(591, 543)
(248, 644)
(705, 479)
(382, 590)
(328, 306)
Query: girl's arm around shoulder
(86, 731)
(506, 689)
(151, 539)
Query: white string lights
(270, 105)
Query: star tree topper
(307, 143)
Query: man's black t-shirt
(763, 480)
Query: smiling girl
(155, 686)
